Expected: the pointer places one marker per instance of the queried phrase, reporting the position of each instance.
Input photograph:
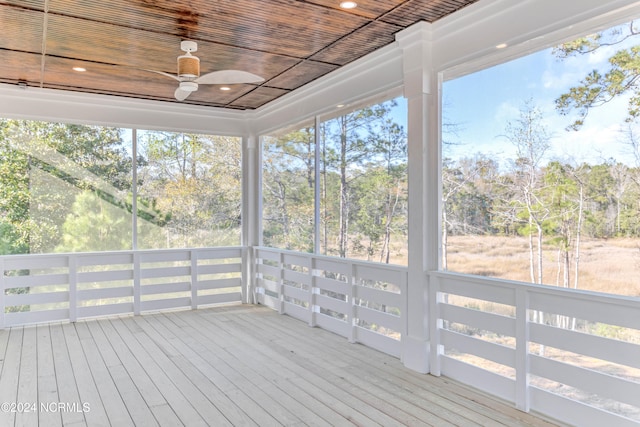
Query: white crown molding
(83, 108)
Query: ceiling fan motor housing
(188, 66)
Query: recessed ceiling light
(225, 88)
(501, 46)
(348, 4)
(79, 69)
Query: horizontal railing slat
(220, 268)
(160, 304)
(105, 310)
(36, 298)
(267, 284)
(104, 276)
(492, 293)
(586, 379)
(160, 272)
(379, 318)
(378, 296)
(479, 378)
(220, 298)
(297, 293)
(230, 282)
(296, 276)
(476, 319)
(100, 259)
(609, 349)
(35, 262)
(29, 317)
(574, 412)
(378, 273)
(586, 309)
(165, 288)
(332, 324)
(471, 345)
(297, 311)
(339, 306)
(378, 341)
(296, 259)
(332, 285)
(268, 270)
(103, 293)
(164, 256)
(36, 280)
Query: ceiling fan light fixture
(189, 86)
(188, 66)
(189, 77)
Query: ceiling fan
(189, 73)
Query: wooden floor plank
(47, 385)
(234, 365)
(65, 376)
(28, 382)
(10, 375)
(4, 341)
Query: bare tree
(530, 137)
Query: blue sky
(481, 104)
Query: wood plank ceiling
(287, 42)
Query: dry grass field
(611, 265)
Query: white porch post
(421, 91)
(251, 208)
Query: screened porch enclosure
(184, 319)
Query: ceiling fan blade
(181, 95)
(164, 74)
(228, 77)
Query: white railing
(362, 301)
(57, 287)
(569, 354)
(572, 355)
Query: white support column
(421, 91)
(522, 350)
(251, 209)
(73, 288)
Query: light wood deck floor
(235, 365)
